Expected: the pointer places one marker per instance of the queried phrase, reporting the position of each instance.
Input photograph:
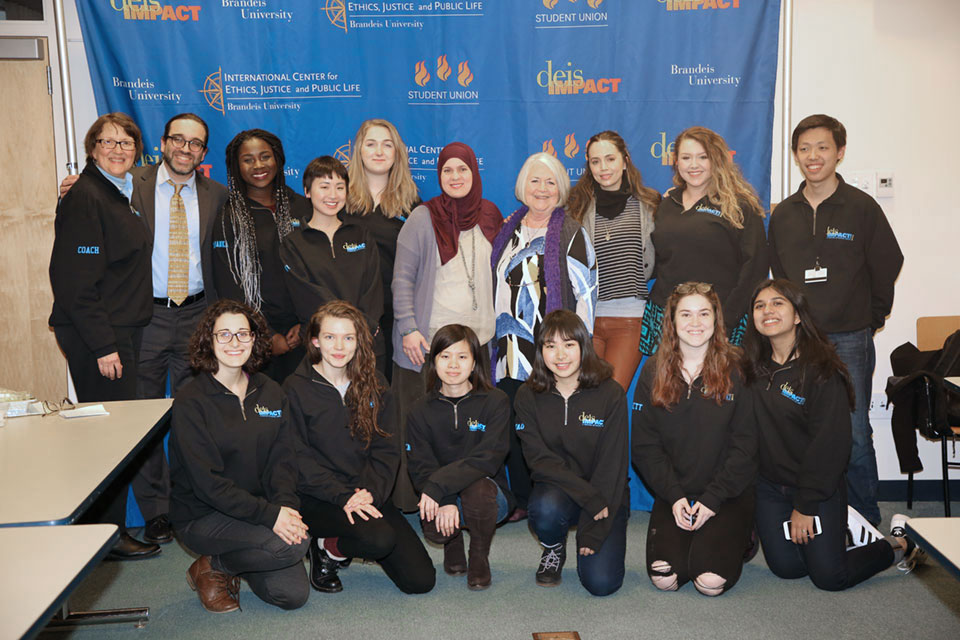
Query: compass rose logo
(336, 13)
(213, 90)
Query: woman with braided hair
(260, 212)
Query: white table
(53, 468)
(41, 566)
(940, 537)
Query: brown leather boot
(479, 502)
(219, 592)
(454, 558)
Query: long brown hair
(721, 361)
(728, 188)
(581, 195)
(363, 395)
(400, 194)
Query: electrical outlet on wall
(880, 407)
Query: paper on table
(82, 412)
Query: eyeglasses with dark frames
(225, 336)
(179, 141)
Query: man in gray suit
(165, 348)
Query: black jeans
(825, 559)
(389, 540)
(717, 547)
(273, 569)
(553, 512)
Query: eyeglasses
(50, 408)
(226, 336)
(179, 141)
(126, 145)
(690, 288)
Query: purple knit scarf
(551, 258)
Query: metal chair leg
(946, 476)
(910, 490)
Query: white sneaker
(898, 528)
(861, 531)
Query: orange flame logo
(570, 146)
(464, 75)
(550, 4)
(548, 147)
(422, 76)
(594, 3)
(443, 69)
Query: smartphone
(817, 530)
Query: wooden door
(29, 357)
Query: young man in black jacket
(834, 241)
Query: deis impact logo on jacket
(787, 392)
(264, 412)
(589, 420)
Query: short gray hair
(559, 173)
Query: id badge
(818, 274)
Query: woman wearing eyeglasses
(101, 280)
(233, 469)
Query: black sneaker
(914, 555)
(551, 565)
(323, 570)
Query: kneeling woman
(572, 424)
(803, 398)
(348, 455)
(457, 441)
(694, 442)
(232, 468)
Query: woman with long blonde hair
(709, 228)
(348, 455)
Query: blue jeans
(857, 351)
(552, 512)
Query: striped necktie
(178, 269)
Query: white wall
(887, 69)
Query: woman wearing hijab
(441, 276)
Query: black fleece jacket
(700, 245)
(100, 266)
(231, 456)
(318, 271)
(853, 240)
(696, 449)
(579, 445)
(332, 462)
(453, 442)
(805, 432)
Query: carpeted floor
(923, 604)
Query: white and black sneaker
(551, 565)
(860, 531)
(914, 555)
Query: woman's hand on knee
(700, 513)
(428, 508)
(586, 551)
(682, 514)
(801, 528)
(363, 511)
(448, 519)
(290, 526)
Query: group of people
(436, 357)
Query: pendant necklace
(471, 275)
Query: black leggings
(389, 540)
(717, 547)
(825, 559)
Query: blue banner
(507, 78)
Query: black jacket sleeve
(825, 460)
(484, 460)
(649, 455)
(754, 266)
(421, 457)
(383, 460)
(204, 465)
(74, 276)
(609, 477)
(547, 466)
(739, 470)
(280, 472)
(884, 260)
(370, 301)
(307, 295)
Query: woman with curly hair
(348, 456)
(260, 212)
(709, 228)
(381, 195)
(613, 205)
(695, 443)
(232, 468)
